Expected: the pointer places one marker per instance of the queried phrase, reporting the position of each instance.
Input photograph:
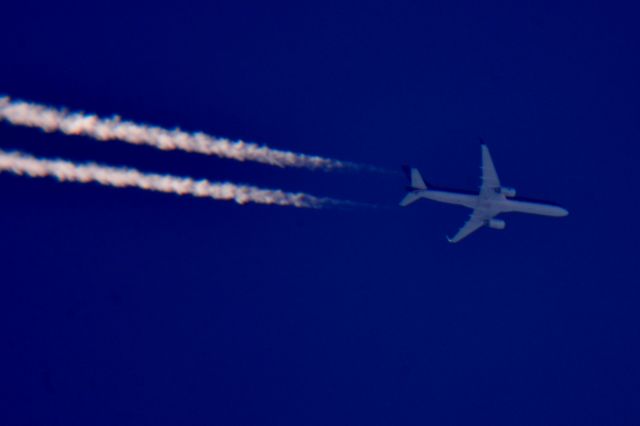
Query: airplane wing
(475, 222)
(490, 181)
(489, 189)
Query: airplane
(492, 200)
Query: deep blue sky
(133, 308)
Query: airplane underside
(492, 200)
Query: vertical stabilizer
(416, 186)
(415, 179)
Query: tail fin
(416, 184)
(414, 177)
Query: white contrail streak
(24, 164)
(52, 119)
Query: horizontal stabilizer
(410, 198)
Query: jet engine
(508, 192)
(497, 224)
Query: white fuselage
(498, 205)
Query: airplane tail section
(409, 198)
(415, 179)
(416, 184)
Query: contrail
(23, 164)
(52, 119)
